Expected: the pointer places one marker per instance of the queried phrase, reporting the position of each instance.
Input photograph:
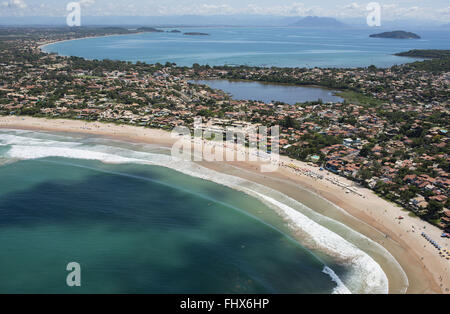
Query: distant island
(428, 54)
(396, 35)
(196, 34)
(319, 22)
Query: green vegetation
(390, 134)
(440, 60)
(358, 98)
(149, 30)
(428, 53)
(435, 65)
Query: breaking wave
(366, 276)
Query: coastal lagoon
(255, 46)
(134, 225)
(268, 92)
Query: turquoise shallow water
(140, 228)
(263, 46)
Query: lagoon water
(257, 46)
(265, 92)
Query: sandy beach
(42, 45)
(331, 195)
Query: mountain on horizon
(319, 22)
(221, 20)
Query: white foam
(366, 275)
(363, 266)
(28, 152)
(14, 139)
(341, 288)
(344, 231)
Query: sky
(437, 10)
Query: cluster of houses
(407, 156)
(397, 85)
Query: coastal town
(390, 133)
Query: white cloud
(391, 9)
(352, 6)
(444, 11)
(295, 9)
(214, 9)
(87, 2)
(389, 6)
(20, 4)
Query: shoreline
(44, 44)
(425, 269)
(324, 88)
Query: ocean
(257, 46)
(139, 222)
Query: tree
(365, 151)
(364, 174)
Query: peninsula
(428, 53)
(149, 30)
